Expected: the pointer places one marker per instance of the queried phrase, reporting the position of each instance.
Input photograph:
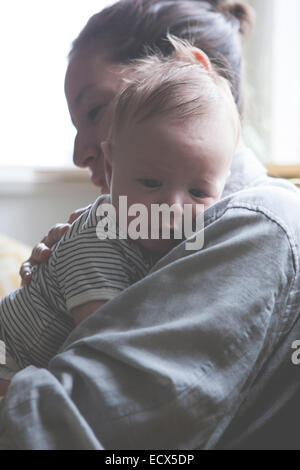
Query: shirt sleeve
(168, 362)
(89, 269)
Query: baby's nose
(176, 217)
(175, 199)
(178, 209)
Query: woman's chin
(100, 183)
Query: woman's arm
(168, 363)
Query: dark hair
(129, 29)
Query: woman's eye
(93, 113)
(150, 183)
(197, 193)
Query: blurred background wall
(38, 185)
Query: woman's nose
(84, 154)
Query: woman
(122, 33)
(187, 357)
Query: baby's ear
(202, 58)
(106, 149)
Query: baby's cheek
(138, 215)
(200, 208)
(211, 201)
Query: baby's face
(174, 162)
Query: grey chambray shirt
(197, 355)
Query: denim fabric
(192, 356)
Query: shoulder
(255, 227)
(80, 238)
(270, 193)
(250, 251)
(260, 224)
(274, 201)
(89, 219)
(84, 225)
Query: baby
(175, 130)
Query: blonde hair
(179, 86)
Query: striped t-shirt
(35, 320)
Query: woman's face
(90, 85)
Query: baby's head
(174, 134)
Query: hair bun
(244, 13)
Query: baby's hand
(42, 251)
(74, 216)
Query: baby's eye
(93, 113)
(150, 183)
(197, 193)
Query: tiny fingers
(40, 253)
(55, 235)
(74, 216)
(26, 272)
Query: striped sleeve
(89, 269)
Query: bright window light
(273, 66)
(286, 83)
(35, 39)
